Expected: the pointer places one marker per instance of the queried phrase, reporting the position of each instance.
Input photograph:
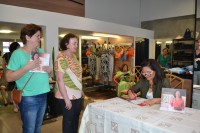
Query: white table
(120, 116)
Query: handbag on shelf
(17, 94)
(187, 34)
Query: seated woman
(151, 84)
(177, 101)
(123, 78)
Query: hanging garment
(92, 64)
(105, 66)
(118, 54)
(111, 67)
(98, 64)
(123, 57)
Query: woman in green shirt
(151, 84)
(164, 58)
(34, 96)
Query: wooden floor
(10, 121)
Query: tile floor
(10, 122)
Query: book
(44, 58)
(173, 100)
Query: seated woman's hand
(131, 95)
(150, 102)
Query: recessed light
(106, 35)
(90, 37)
(6, 31)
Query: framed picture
(173, 100)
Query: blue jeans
(32, 109)
(71, 117)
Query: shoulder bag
(17, 94)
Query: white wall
(52, 22)
(159, 9)
(126, 12)
(198, 8)
(133, 12)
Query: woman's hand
(82, 94)
(33, 64)
(68, 104)
(151, 102)
(131, 95)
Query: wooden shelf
(182, 61)
(181, 51)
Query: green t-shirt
(39, 82)
(164, 61)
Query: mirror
(196, 79)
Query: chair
(137, 70)
(166, 70)
(175, 81)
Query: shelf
(182, 61)
(184, 50)
(178, 40)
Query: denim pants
(196, 80)
(32, 109)
(71, 117)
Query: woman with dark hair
(34, 96)
(10, 86)
(177, 101)
(69, 83)
(151, 84)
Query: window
(6, 46)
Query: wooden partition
(72, 7)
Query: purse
(17, 94)
(187, 34)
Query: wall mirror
(196, 79)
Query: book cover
(44, 58)
(173, 100)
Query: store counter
(117, 115)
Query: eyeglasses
(148, 73)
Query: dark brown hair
(13, 46)
(29, 30)
(65, 41)
(153, 65)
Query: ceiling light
(158, 42)
(90, 37)
(106, 35)
(62, 35)
(168, 42)
(6, 31)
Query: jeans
(196, 80)
(32, 109)
(71, 117)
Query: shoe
(15, 109)
(5, 104)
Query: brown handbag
(17, 94)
